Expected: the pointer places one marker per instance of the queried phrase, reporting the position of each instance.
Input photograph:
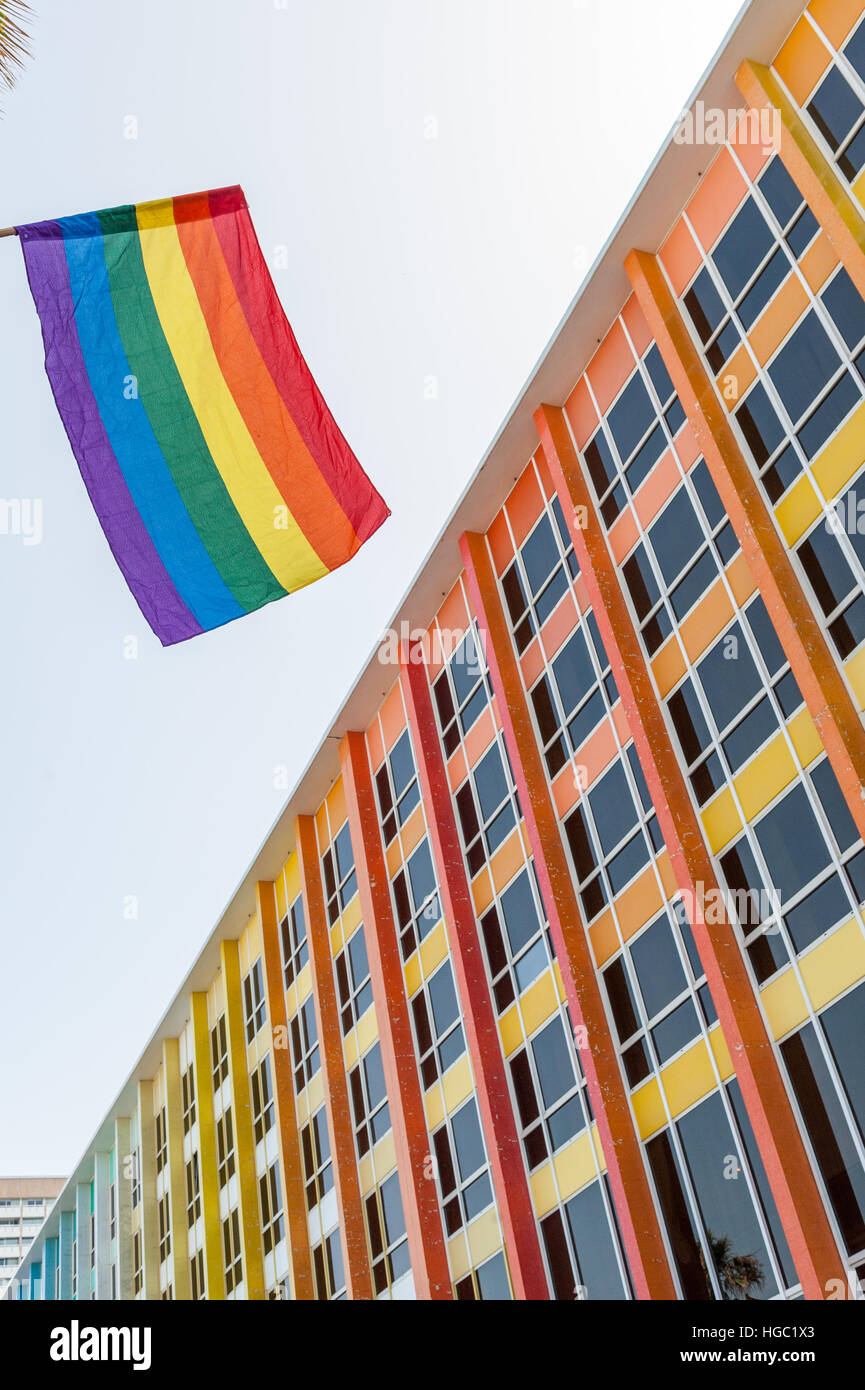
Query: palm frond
(14, 40)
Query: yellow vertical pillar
(244, 1145)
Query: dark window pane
(704, 305)
(675, 1031)
(524, 1088)
(818, 912)
(833, 803)
(621, 999)
(645, 458)
(630, 417)
(641, 582)
(580, 845)
(742, 247)
(512, 586)
(760, 424)
(600, 462)
(658, 966)
(771, 276)
(520, 913)
(595, 1245)
(553, 1061)
(540, 554)
(792, 844)
(828, 415)
(676, 536)
(835, 107)
(762, 1183)
(729, 676)
(686, 1251)
(693, 586)
(612, 807)
(736, 1244)
(803, 365)
(468, 1142)
(573, 671)
(779, 190)
(542, 700)
(492, 1280)
(803, 232)
(846, 306)
(844, 1023)
(443, 998)
(688, 721)
(658, 374)
(558, 1257)
(751, 734)
(765, 635)
(707, 493)
(827, 1128)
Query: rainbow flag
(217, 472)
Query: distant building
(24, 1204)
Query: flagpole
(8, 231)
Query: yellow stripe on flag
(255, 495)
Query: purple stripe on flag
(128, 537)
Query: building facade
(24, 1204)
(549, 982)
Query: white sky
(406, 257)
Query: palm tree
(737, 1274)
(13, 39)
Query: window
(725, 1234)
(352, 979)
(387, 1235)
(829, 567)
(295, 947)
(489, 1282)
(112, 1209)
(137, 1266)
(837, 111)
(187, 1094)
(438, 1031)
(487, 806)
(196, 1276)
(582, 1245)
(369, 1100)
(161, 1141)
(636, 432)
(317, 1164)
(835, 1139)
(263, 1109)
(745, 704)
(340, 879)
(516, 939)
(397, 787)
(546, 1079)
(328, 1268)
(305, 1054)
(574, 694)
(535, 583)
(232, 1251)
(254, 1008)
(612, 833)
(416, 898)
(659, 968)
(270, 1195)
(193, 1190)
(225, 1147)
(690, 543)
(219, 1052)
(462, 1168)
(136, 1178)
(164, 1228)
(461, 691)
